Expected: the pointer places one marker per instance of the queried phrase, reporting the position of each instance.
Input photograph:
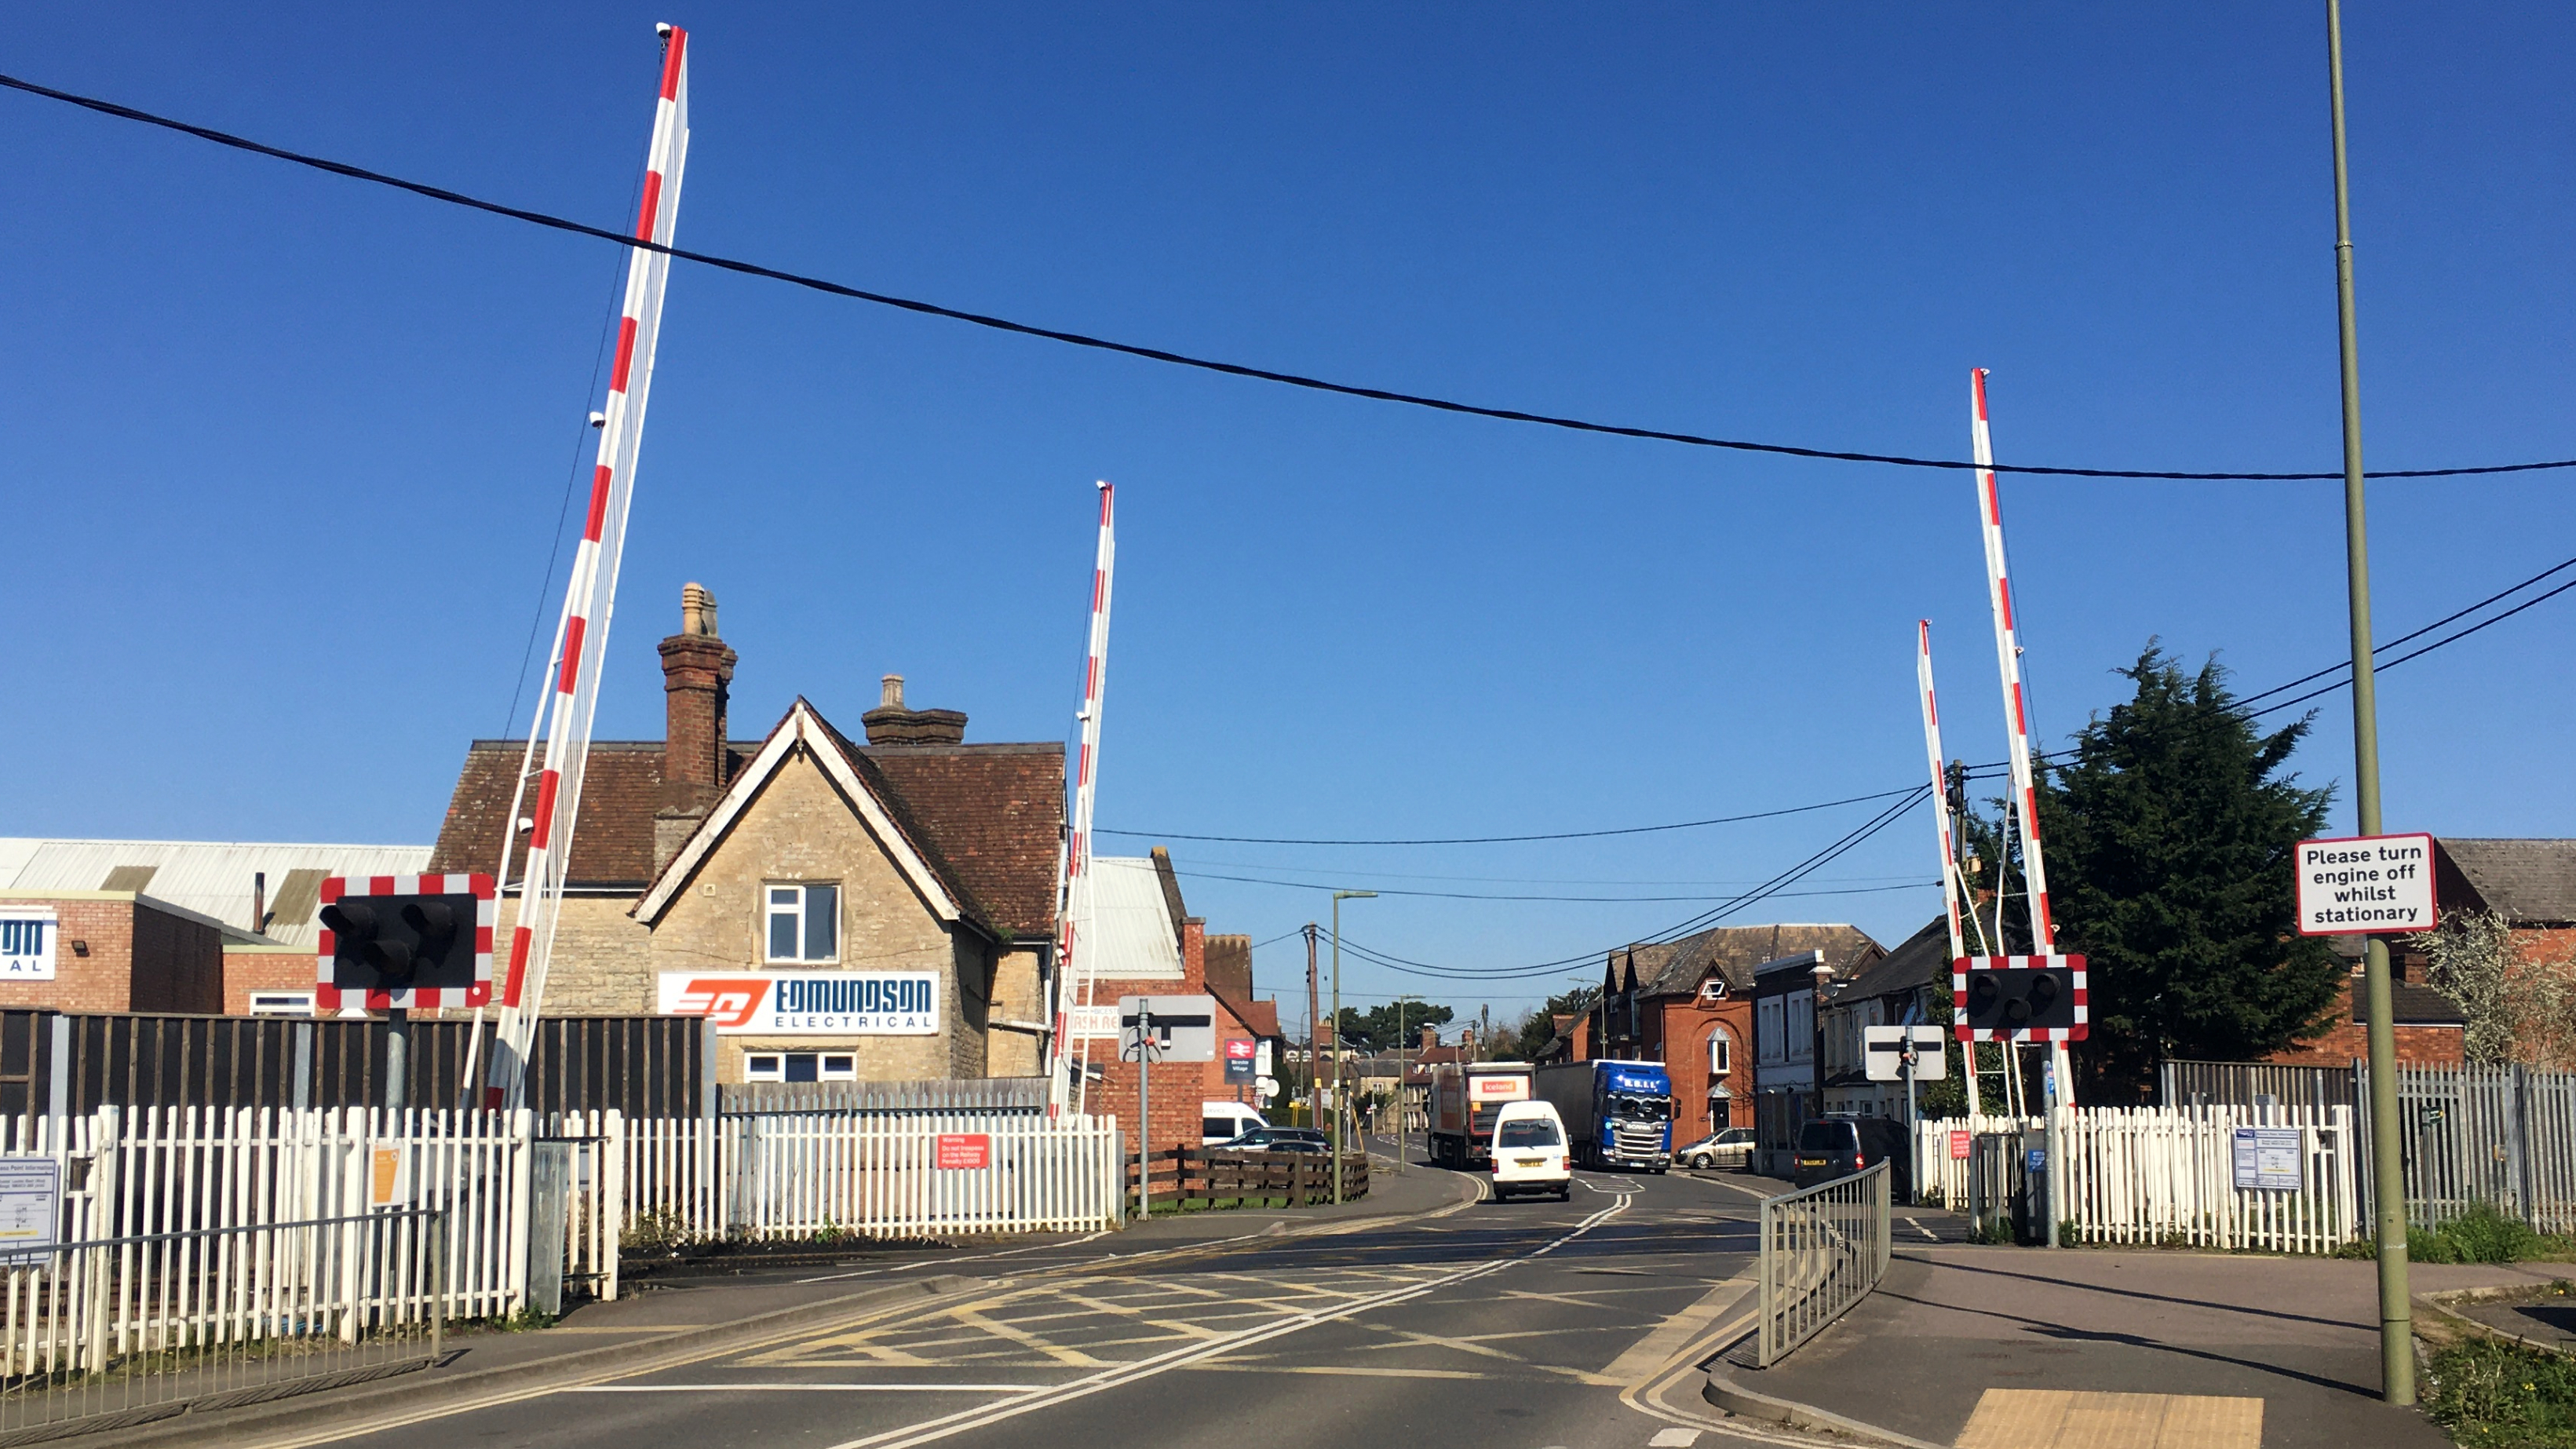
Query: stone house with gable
(805, 865)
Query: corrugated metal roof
(210, 877)
(1133, 937)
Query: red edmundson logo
(805, 1003)
(725, 1001)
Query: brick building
(2529, 884)
(848, 912)
(93, 951)
(1910, 985)
(1144, 942)
(259, 899)
(1694, 1012)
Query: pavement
(2000, 1347)
(1421, 1311)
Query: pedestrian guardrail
(1823, 1250)
(110, 1332)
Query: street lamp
(1341, 1089)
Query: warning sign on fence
(1959, 1146)
(959, 1150)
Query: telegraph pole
(1314, 1038)
(1341, 1089)
(2387, 1171)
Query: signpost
(2366, 884)
(1160, 1029)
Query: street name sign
(2365, 885)
(1883, 1053)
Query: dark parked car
(1279, 1139)
(1832, 1147)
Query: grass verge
(2495, 1395)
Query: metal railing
(1823, 1250)
(112, 1332)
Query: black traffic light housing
(402, 943)
(2023, 1002)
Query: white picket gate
(2167, 1175)
(874, 1174)
(1937, 1172)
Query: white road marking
(1674, 1438)
(1120, 1375)
(806, 1389)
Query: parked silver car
(1727, 1147)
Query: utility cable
(1182, 359)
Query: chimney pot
(697, 611)
(892, 695)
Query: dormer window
(1713, 989)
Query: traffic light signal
(2019, 998)
(407, 947)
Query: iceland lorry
(1617, 1114)
(1464, 1101)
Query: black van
(1832, 1147)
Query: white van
(1225, 1121)
(1529, 1151)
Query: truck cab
(1618, 1114)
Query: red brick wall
(2347, 1039)
(1179, 1087)
(249, 970)
(102, 980)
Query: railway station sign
(2365, 885)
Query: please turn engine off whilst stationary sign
(2365, 884)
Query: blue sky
(265, 427)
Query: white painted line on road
(1674, 1438)
(807, 1389)
(944, 1262)
(1121, 1375)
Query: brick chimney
(697, 676)
(1194, 950)
(892, 724)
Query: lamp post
(1341, 1089)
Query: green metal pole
(2387, 1171)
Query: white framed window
(1770, 1032)
(281, 1003)
(803, 921)
(1721, 1053)
(800, 1067)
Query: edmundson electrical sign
(805, 1003)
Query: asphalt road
(1516, 1325)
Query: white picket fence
(2167, 1176)
(792, 1174)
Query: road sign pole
(1145, 1112)
(2387, 1172)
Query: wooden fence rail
(1204, 1177)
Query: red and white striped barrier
(590, 596)
(1073, 886)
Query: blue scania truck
(1619, 1114)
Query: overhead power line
(1509, 896)
(1182, 359)
(1515, 839)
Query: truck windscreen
(1642, 1109)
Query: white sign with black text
(2365, 885)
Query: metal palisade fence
(2504, 1136)
(1823, 1250)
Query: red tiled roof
(987, 817)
